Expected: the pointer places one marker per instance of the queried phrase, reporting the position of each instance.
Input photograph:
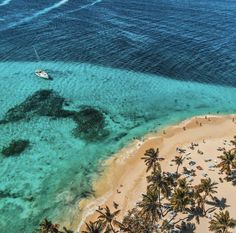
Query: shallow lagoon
(51, 176)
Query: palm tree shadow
(220, 203)
(231, 178)
(195, 213)
(187, 227)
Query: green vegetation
(222, 222)
(47, 226)
(151, 159)
(178, 161)
(228, 162)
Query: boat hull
(42, 74)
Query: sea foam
(6, 2)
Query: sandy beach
(124, 176)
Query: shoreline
(124, 177)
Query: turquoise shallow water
(51, 176)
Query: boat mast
(36, 54)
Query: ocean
(119, 70)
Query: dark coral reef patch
(90, 124)
(90, 121)
(16, 147)
(41, 103)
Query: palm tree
(206, 188)
(180, 199)
(151, 159)
(158, 183)
(221, 222)
(47, 226)
(170, 178)
(178, 161)
(166, 226)
(134, 222)
(183, 183)
(93, 227)
(107, 218)
(200, 203)
(228, 161)
(150, 206)
(234, 141)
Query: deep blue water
(142, 64)
(190, 40)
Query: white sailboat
(40, 72)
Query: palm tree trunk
(182, 219)
(112, 227)
(177, 170)
(159, 197)
(203, 204)
(165, 213)
(209, 209)
(171, 219)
